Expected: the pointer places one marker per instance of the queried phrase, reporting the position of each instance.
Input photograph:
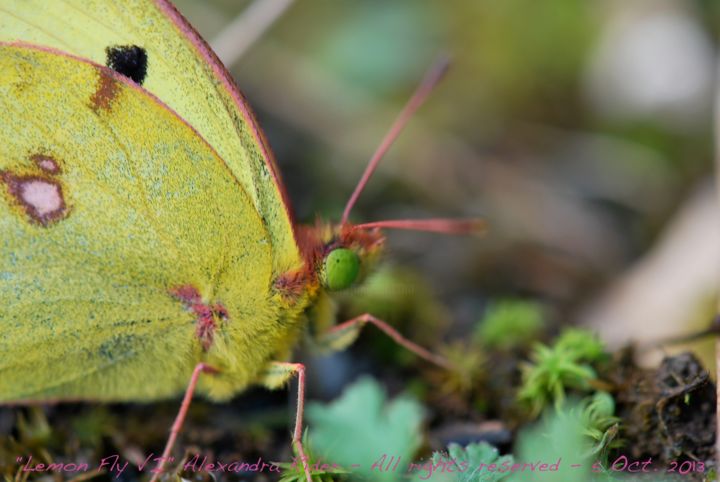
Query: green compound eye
(340, 269)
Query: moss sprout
(509, 323)
(554, 370)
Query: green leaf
(361, 431)
(478, 462)
(556, 439)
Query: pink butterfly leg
(180, 418)
(395, 335)
(299, 369)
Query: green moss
(509, 323)
(554, 370)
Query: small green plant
(468, 464)
(581, 344)
(596, 414)
(557, 439)
(321, 471)
(565, 365)
(34, 430)
(509, 323)
(562, 437)
(361, 426)
(469, 366)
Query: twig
(240, 34)
(717, 342)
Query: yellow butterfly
(146, 234)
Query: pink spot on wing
(187, 294)
(207, 316)
(42, 196)
(46, 163)
(41, 199)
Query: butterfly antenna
(432, 77)
(445, 226)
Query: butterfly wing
(120, 224)
(180, 70)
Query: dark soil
(668, 414)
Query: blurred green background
(577, 129)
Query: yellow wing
(129, 251)
(182, 72)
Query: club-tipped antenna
(445, 226)
(432, 77)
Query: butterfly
(148, 246)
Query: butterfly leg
(277, 375)
(346, 332)
(200, 368)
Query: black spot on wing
(128, 60)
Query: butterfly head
(341, 256)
